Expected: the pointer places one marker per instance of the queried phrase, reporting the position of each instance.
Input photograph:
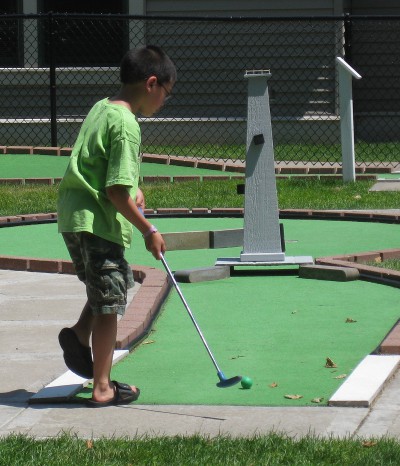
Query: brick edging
(140, 312)
(144, 307)
(350, 215)
(387, 217)
(391, 343)
(177, 179)
(358, 261)
(29, 218)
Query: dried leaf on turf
(273, 385)
(349, 320)
(317, 400)
(293, 397)
(149, 342)
(329, 363)
(341, 376)
(369, 444)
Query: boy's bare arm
(123, 202)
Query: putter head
(225, 383)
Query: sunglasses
(167, 92)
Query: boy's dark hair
(139, 64)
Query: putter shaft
(171, 276)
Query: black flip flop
(77, 357)
(123, 396)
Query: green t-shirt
(106, 153)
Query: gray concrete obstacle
(226, 238)
(202, 274)
(203, 239)
(187, 240)
(326, 272)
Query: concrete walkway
(35, 306)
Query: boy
(96, 211)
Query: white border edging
(366, 381)
(67, 385)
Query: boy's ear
(151, 81)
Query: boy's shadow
(21, 398)
(15, 397)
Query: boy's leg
(84, 326)
(103, 344)
(75, 341)
(108, 276)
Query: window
(85, 41)
(11, 39)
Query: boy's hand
(155, 244)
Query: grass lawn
(293, 193)
(273, 449)
(365, 152)
(393, 264)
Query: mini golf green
(45, 166)
(274, 327)
(278, 330)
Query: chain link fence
(54, 67)
(374, 51)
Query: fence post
(53, 85)
(348, 38)
(346, 72)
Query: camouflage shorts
(101, 265)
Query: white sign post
(346, 73)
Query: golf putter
(223, 381)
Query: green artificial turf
(32, 166)
(303, 237)
(45, 166)
(276, 328)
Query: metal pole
(348, 25)
(172, 278)
(53, 85)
